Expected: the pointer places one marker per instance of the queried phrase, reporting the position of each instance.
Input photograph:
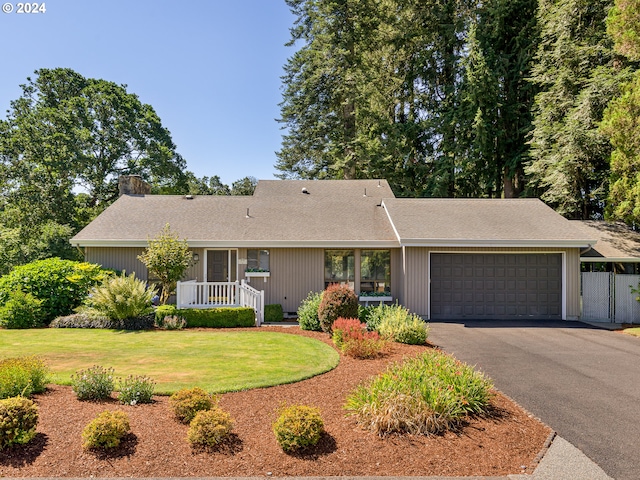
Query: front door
(221, 265)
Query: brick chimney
(133, 185)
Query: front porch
(193, 294)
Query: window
(339, 267)
(375, 271)
(257, 260)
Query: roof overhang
(417, 242)
(248, 243)
(609, 259)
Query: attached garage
(495, 286)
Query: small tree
(167, 258)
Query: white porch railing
(192, 294)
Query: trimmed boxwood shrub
(165, 311)
(224, 317)
(186, 403)
(298, 427)
(209, 428)
(18, 421)
(273, 313)
(106, 430)
(62, 285)
(337, 301)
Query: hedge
(273, 313)
(223, 317)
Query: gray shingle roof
(303, 220)
(332, 213)
(446, 221)
(615, 240)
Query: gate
(607, 297)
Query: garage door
(496, 286)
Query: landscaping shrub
(94, 320)
(172, 322)
(273, 313)
(224, 317)
(298, 427)
(22, 376)
(95, 383)
(398, 324)
(21, 310)
(106, 430)
(165, 311)
(353, 339)
(209, 428)
(18, 421)
(337, 301)
(427, 394)
(135, 389)
(120, 298)
(186, 403)
(308, 312)
(62, 285)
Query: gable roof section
(332, 214)
(378, 189)
(616, 242)
(481, 223)
(209, 221)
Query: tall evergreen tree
(577, 73)
(496, 99)
(621, 122)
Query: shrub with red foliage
(353, 339)
(337, 301)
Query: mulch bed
(507, 442)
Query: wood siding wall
(416, 266)
(126, 258)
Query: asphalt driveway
(582, 381)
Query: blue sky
(210, 68)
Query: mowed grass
(217, 360)
(635, 331)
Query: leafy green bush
(273, 313)
(92, 319)
(94, 383)
(209, 428)
(398, 324)
(135, 389)
(165, 311)
(308, 312)
(298, 427)
(224, 317)
(120, 298)
(337, 301)
(106, 430)
(21, 310)
(62, 285)
(22, 376)
(353, 339)
(186, 403)
(18, 421)
(427, 394)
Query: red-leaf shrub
(337, 301)
(353, 339)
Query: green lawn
(633, 331)
(217, 360)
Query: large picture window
(257, 260)
(375, 271)
(339, 267)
